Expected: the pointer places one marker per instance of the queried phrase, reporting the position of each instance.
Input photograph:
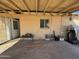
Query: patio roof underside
(44, 6)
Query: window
(15, 24)
(44, 23)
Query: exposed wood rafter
(40, 11)
(73, 9)
(37, 5)
(6, 6)
(2, 9)
(34, 11)
(68, 7)
(14, 4)
(60, 3)
(46, 6)
(26, 5)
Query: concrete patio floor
(27, 49)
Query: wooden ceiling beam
(41, 11)
(37, 5)
(73, 9)
(46, 6)
(35, 11)
(3, 8)
(6, 5)
(60, 3)
(68, 7)
(14, 4)
(26, 5)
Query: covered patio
(39, 18)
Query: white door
(15, 28)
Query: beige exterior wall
(31, 24)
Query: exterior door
(15, 28)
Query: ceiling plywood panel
(54, 4)
(49, 6)
(19, 4)
(7, 3)
(34, 5)
(24, 7)
(76, 7)
(4, 7)
(72, 7)
(65, 4)
(43, 4)
(31, 4)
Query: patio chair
(28, 36)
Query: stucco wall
(31, 24)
